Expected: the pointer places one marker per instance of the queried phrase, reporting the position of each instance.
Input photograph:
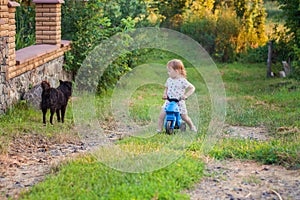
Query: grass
(255, 100)
(22, 119)
(100, 182)
(276, 151)
(252, 100)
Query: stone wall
(3, 60)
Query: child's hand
(183, 98)
(165, 97)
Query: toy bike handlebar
(175, 100)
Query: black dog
(55, 99)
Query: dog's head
(45, 85)
(66, 87)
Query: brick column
(12, 33)
(48, 21)
(3, 18)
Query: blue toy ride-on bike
(173, 119)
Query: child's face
(172, 73)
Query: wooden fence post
(269, 62)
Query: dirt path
(234, 179)
(246, 180)
(31, 157)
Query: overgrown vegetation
(252, 99)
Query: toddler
(177, 87)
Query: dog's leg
(58, 115)
(63, 111)
(52, 111)
(44, 115)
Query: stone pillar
(4, 26)
(48, 21)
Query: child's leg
(161, 119)
(188, 120)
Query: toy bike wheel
(169, 130)
(183, 127)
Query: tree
(291, 9)
(238, 25)
(291, 13)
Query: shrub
(227, 30)
(25, 25)
(89, 24)
(291, 15)
(203, 31)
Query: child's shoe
(194, 129)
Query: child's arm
(165, 96)
(190, 91)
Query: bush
(25, 25)
(88, 25)
(203, 31)
(295, 73)
(227, 30)
(254, 55)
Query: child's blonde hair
(177, 64)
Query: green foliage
(170, 10)
(291, 14)
(90, 24)
(254, 55)
(83, 24)
(235, 26)
(273, 10)
(252, 33)
(117, 10)
(203, 31)
(25, 25)
(285, 45)
(199, 9)
(227, 30)
(280, 51)
(296, 69)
